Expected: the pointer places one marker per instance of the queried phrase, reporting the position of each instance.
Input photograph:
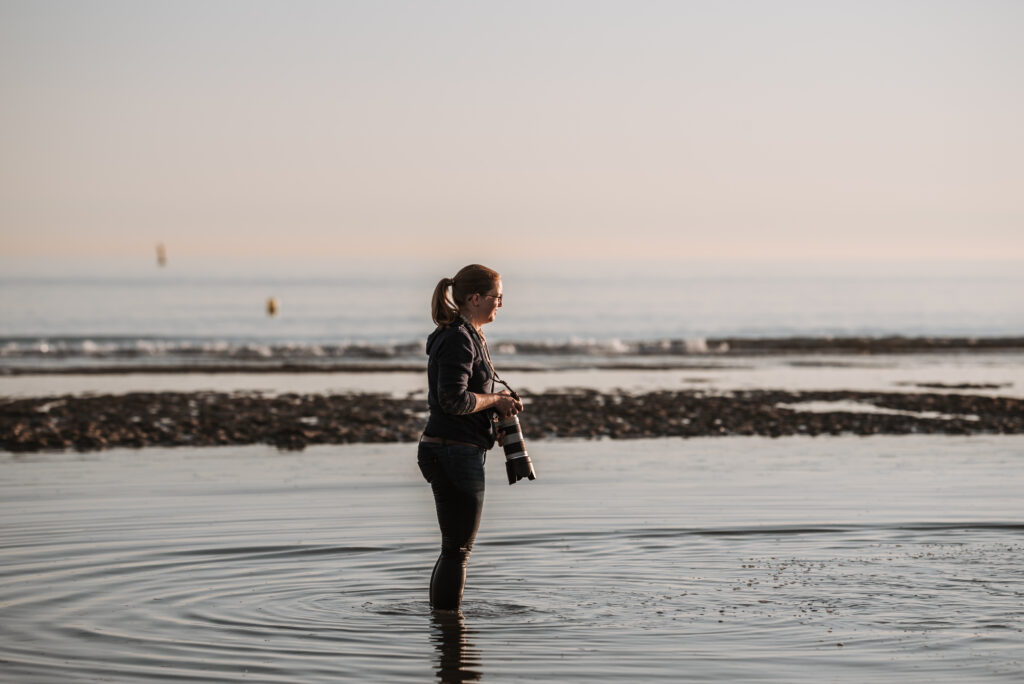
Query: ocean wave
(103, 351)
(191, 349)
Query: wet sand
(990, 374)
(294, 421)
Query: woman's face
(485, 306)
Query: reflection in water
(457, 659)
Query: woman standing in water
(460, 430)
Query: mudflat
(294, 421)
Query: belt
(438, 440)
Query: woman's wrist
(489, 400)
(485, 401)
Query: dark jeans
(456, 474)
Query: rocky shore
(292, 421)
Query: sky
(576, 130)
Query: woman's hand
(506, 405)
(503, 403)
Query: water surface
(729, 559)
(88, 307)
(996, 374)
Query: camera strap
(478, 336)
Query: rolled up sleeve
(454, 368)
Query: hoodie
(456, 368)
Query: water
(836, 559)
(735, 559)
(196, 312)
(986, 374)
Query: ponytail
(442, 308)
(470, 280)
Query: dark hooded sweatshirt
(455, 370)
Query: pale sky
(594, 130)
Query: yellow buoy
(272, 306)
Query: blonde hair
(472, 279)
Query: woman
(460, 428)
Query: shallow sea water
(989, 374)
(719, 559)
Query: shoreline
(294, 421)
(294, 368)
(516, 356)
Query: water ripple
(140, 588)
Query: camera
(517, 462)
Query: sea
(207, 311)
(840, 558)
